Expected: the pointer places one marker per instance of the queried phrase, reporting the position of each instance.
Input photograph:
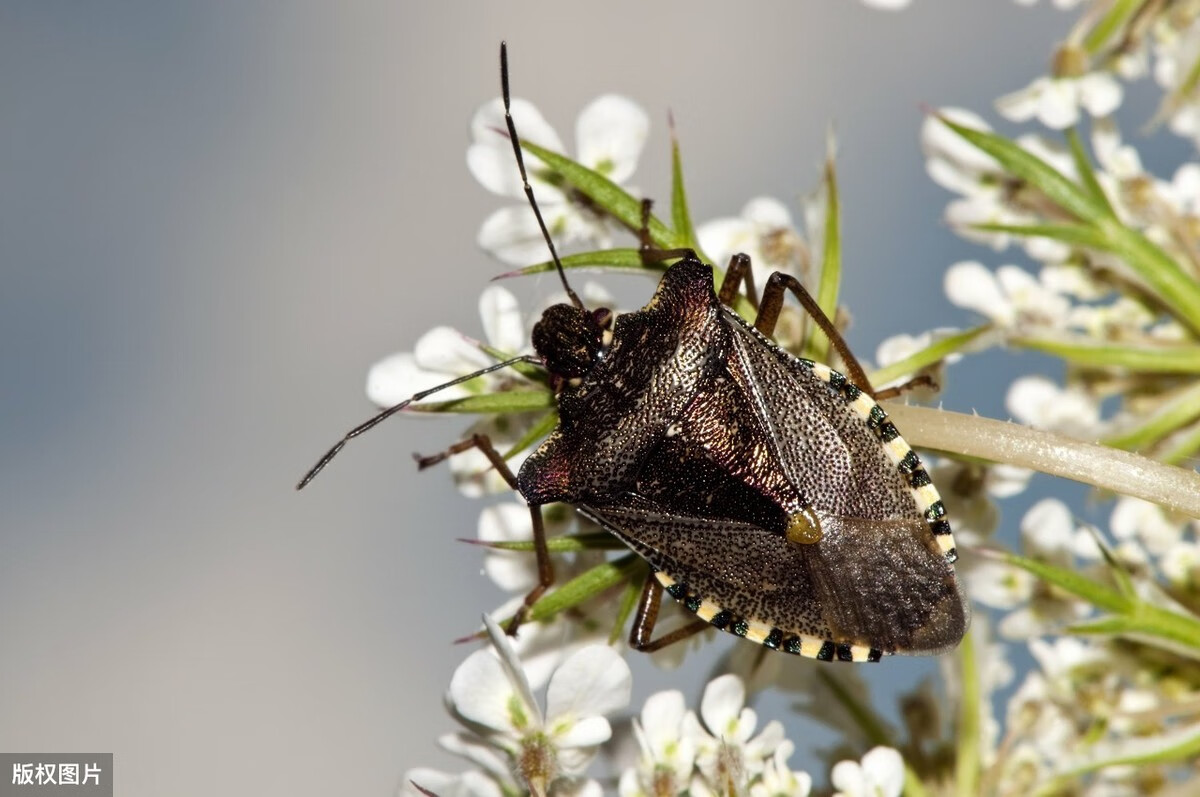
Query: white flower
(490, 693)
(1133, 518)
(667, 755)
(1056, 102)
(728, 752)
(1181, 566)
(609, 133)
(444, 354)
(970, 492)
(765, 232)
(1011, 297)
(467, 784)
(1039, 402)
(881, 774)
(542, 646)
(1048, 534)
(778, 779)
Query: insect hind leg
(647, 617)
(772, 304)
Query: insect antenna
(516, 143)
(392, 410)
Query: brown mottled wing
(822, 446)
(880, 584)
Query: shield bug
(769, 494)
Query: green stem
(967, 763)
(1107, 468)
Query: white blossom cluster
(1112, 712)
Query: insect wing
(868, 587)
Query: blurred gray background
(215, 216)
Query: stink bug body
(769, 494)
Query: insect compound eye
(568, 339)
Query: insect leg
(544, 565)
(382, 416)
(923, 380)
(772, 303)
(647, 616)
(739, 271)
(648, 251)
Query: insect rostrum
(769, 494)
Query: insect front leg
(544, 565)
(647, 250)
(772, 304)
(647, 616)
(739, 271)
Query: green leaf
(586, 585)
(1182, 448)
(932, 354)
(533, 373)
(492, 403)
(544, 426)
(1175, 288)
(605, 194)
(681, 220)
(629, 599)
(563, 543)
(1083, 165)
(1070, 581)
(1113, 21)
(1145, 358)
(831, 255)
(623, 259)
(1173, 745)
(1176, 411)
(1036, 172)
(1079, 235)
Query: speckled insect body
(769, 494)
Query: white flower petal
(502, 321)
(1100, 93)
(511, 571)
(1058, 105)
(767, 212)
(969, 284)
(1022, 105)
(849, 779)
(661, 716)
(722, 238)
(593, 681)
(722, 703)
(490, 158)
(468, 784)
(587, 732)
(610, 134)
(396, 378)
(940, 142)
(447, 351)
(885, 769)
(512, 234)
(1047, 527)
(481, 692)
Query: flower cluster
(1106, 279)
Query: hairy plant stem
(1005, 442)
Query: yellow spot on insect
(804, 528)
